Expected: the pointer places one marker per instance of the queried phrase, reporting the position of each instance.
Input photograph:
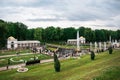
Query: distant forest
(52, 34)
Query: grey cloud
(8, 11)
(86, 10)
(41, 19)
(72, 10)
(32, 3)
(113, 24)
(81, 10)
(96, 11)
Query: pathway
(23, 64)
(14, 55)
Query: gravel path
(15, 55)
(23, 64)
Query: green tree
(118, 34)
(89, 35)
(110, 50)
(92, 55)
(52, 34)
(38, 34)
(69, 33)
(100, 36)
(3, 31)
(105, 35)
(17, 30)
(59, 34)
(30, 34)
(56, 63)
(82, 31)
(20, 30)
(11, 29)
(49, 33)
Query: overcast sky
(98, 14)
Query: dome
(11, 38)
(81, 37)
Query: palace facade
(74, 41)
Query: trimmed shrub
(56, 63)
(110, 50)
(32, 62)
(8, 61)
(102, 50)
(92, 55)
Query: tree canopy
(52, 34)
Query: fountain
(22, 69)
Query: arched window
(12, 45)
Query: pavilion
(74, 41)
(13, 43)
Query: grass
(104, 67)
(109, 73)
(68, 46)
(52, 49)
(4, 61)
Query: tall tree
(113, 35)
(56, 63)
(82, 31)
(3, 31)
(69, 33)
(99, 34)
(11, 29)
(38, 34)
(21, 30)
(30, 34)
(50, 33)
(89, 35)
(118, 34)
(59, 34)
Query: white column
(95, 46)
(104, 46)
(110, 39)
(90, 46)
(100, 46)
(78, 44)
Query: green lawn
(104, 67)
(16, 59)
(66, 46)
